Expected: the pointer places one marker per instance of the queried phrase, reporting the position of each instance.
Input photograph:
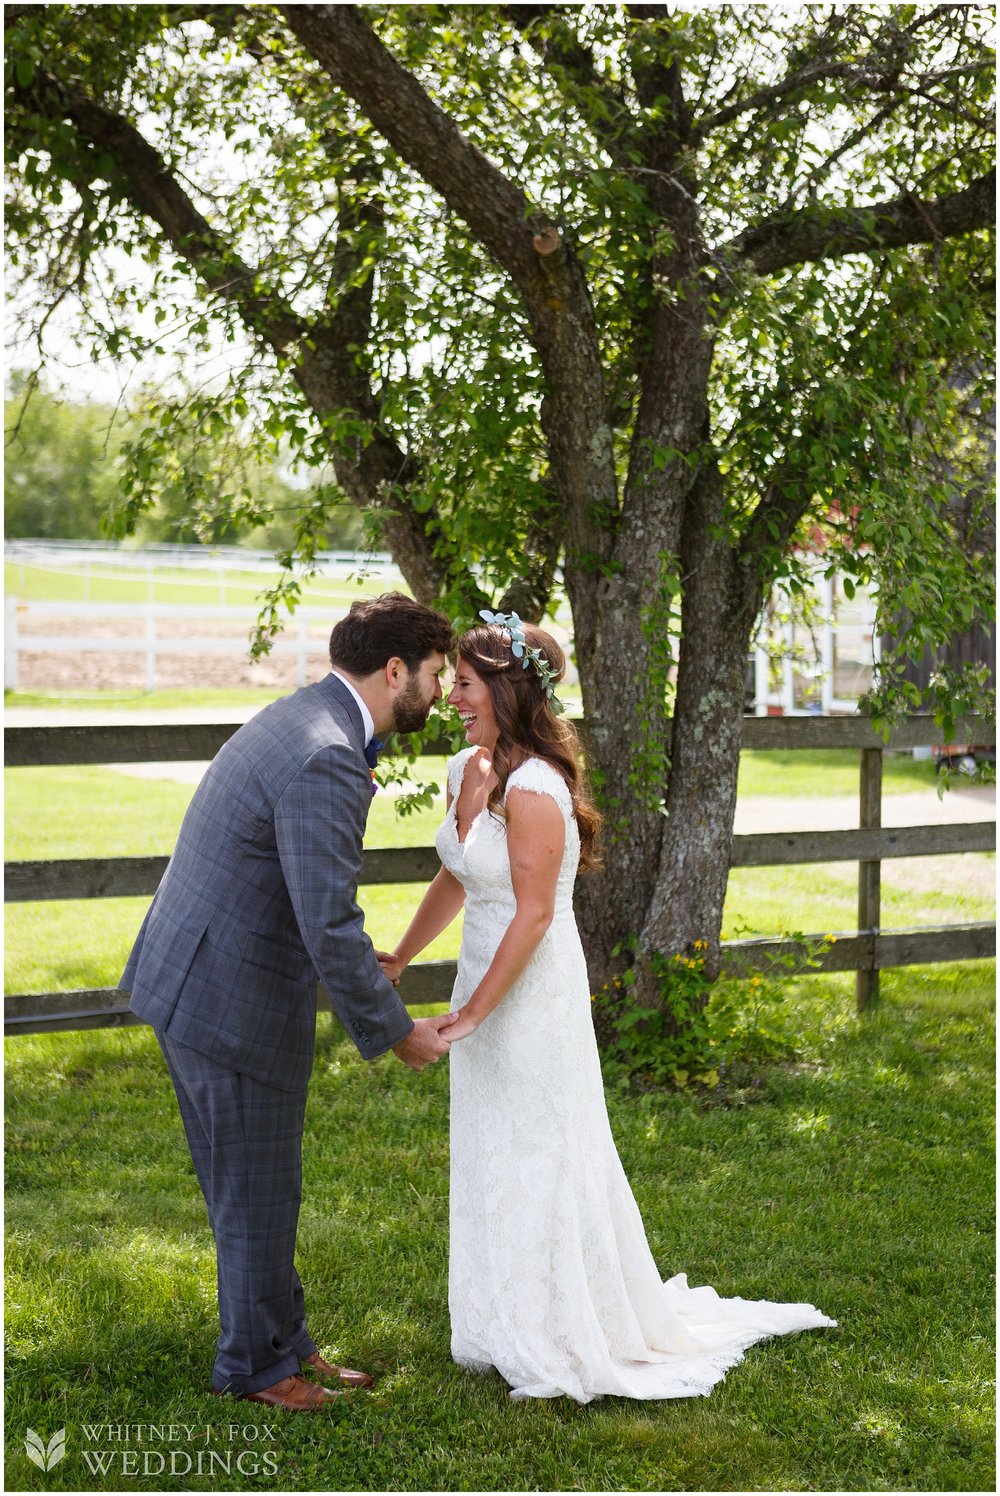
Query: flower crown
(523, 651)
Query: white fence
(152, 641)
(203, 566)
(822, 672)
(64, 554)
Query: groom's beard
(410, 711)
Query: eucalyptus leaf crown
(523, 651)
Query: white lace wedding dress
(551, 1279)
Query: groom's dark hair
(380, 628)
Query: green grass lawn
(90, 811)
(806, 774)
(824, 898)
(859, 1178)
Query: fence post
(300, 674)
(827, 646)
(870, 873)
(150, 650)
(10, 645)
(761, 680)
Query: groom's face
(413, 702)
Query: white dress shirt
(366, 716)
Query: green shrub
(699, 1027)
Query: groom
(258, 900)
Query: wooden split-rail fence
(865, 951)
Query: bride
(551, 1280)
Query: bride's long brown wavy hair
(528, 727)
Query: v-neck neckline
(472, 824)
(453, 809)
(462, 842)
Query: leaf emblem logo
(45, 1455)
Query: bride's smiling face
(471, 697)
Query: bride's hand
(391, 965)
(461, 1028)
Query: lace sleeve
(540, 778)
(456, 771)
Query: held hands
(463, 1026)
(426, 1042)
(430, 1038)
(391, 965)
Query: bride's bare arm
(536, 835)
(438, 907)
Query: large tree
(642, 293)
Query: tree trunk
(626, 729)
(719, 610)
(666, 866)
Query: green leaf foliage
(747, 198)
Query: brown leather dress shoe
(343, 1375)
(295, 1393)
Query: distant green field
(133, 699)
(237, 588)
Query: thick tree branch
(523, 241)
(824, 233)
(149, 184)
(497, 211)
(666, 420)
(658, 80)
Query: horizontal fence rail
(176, 555)
(432, 981)
(865, 951)
(126, 877)
(169, 742)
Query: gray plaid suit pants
(246, 1144)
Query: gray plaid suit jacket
(259, 898)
